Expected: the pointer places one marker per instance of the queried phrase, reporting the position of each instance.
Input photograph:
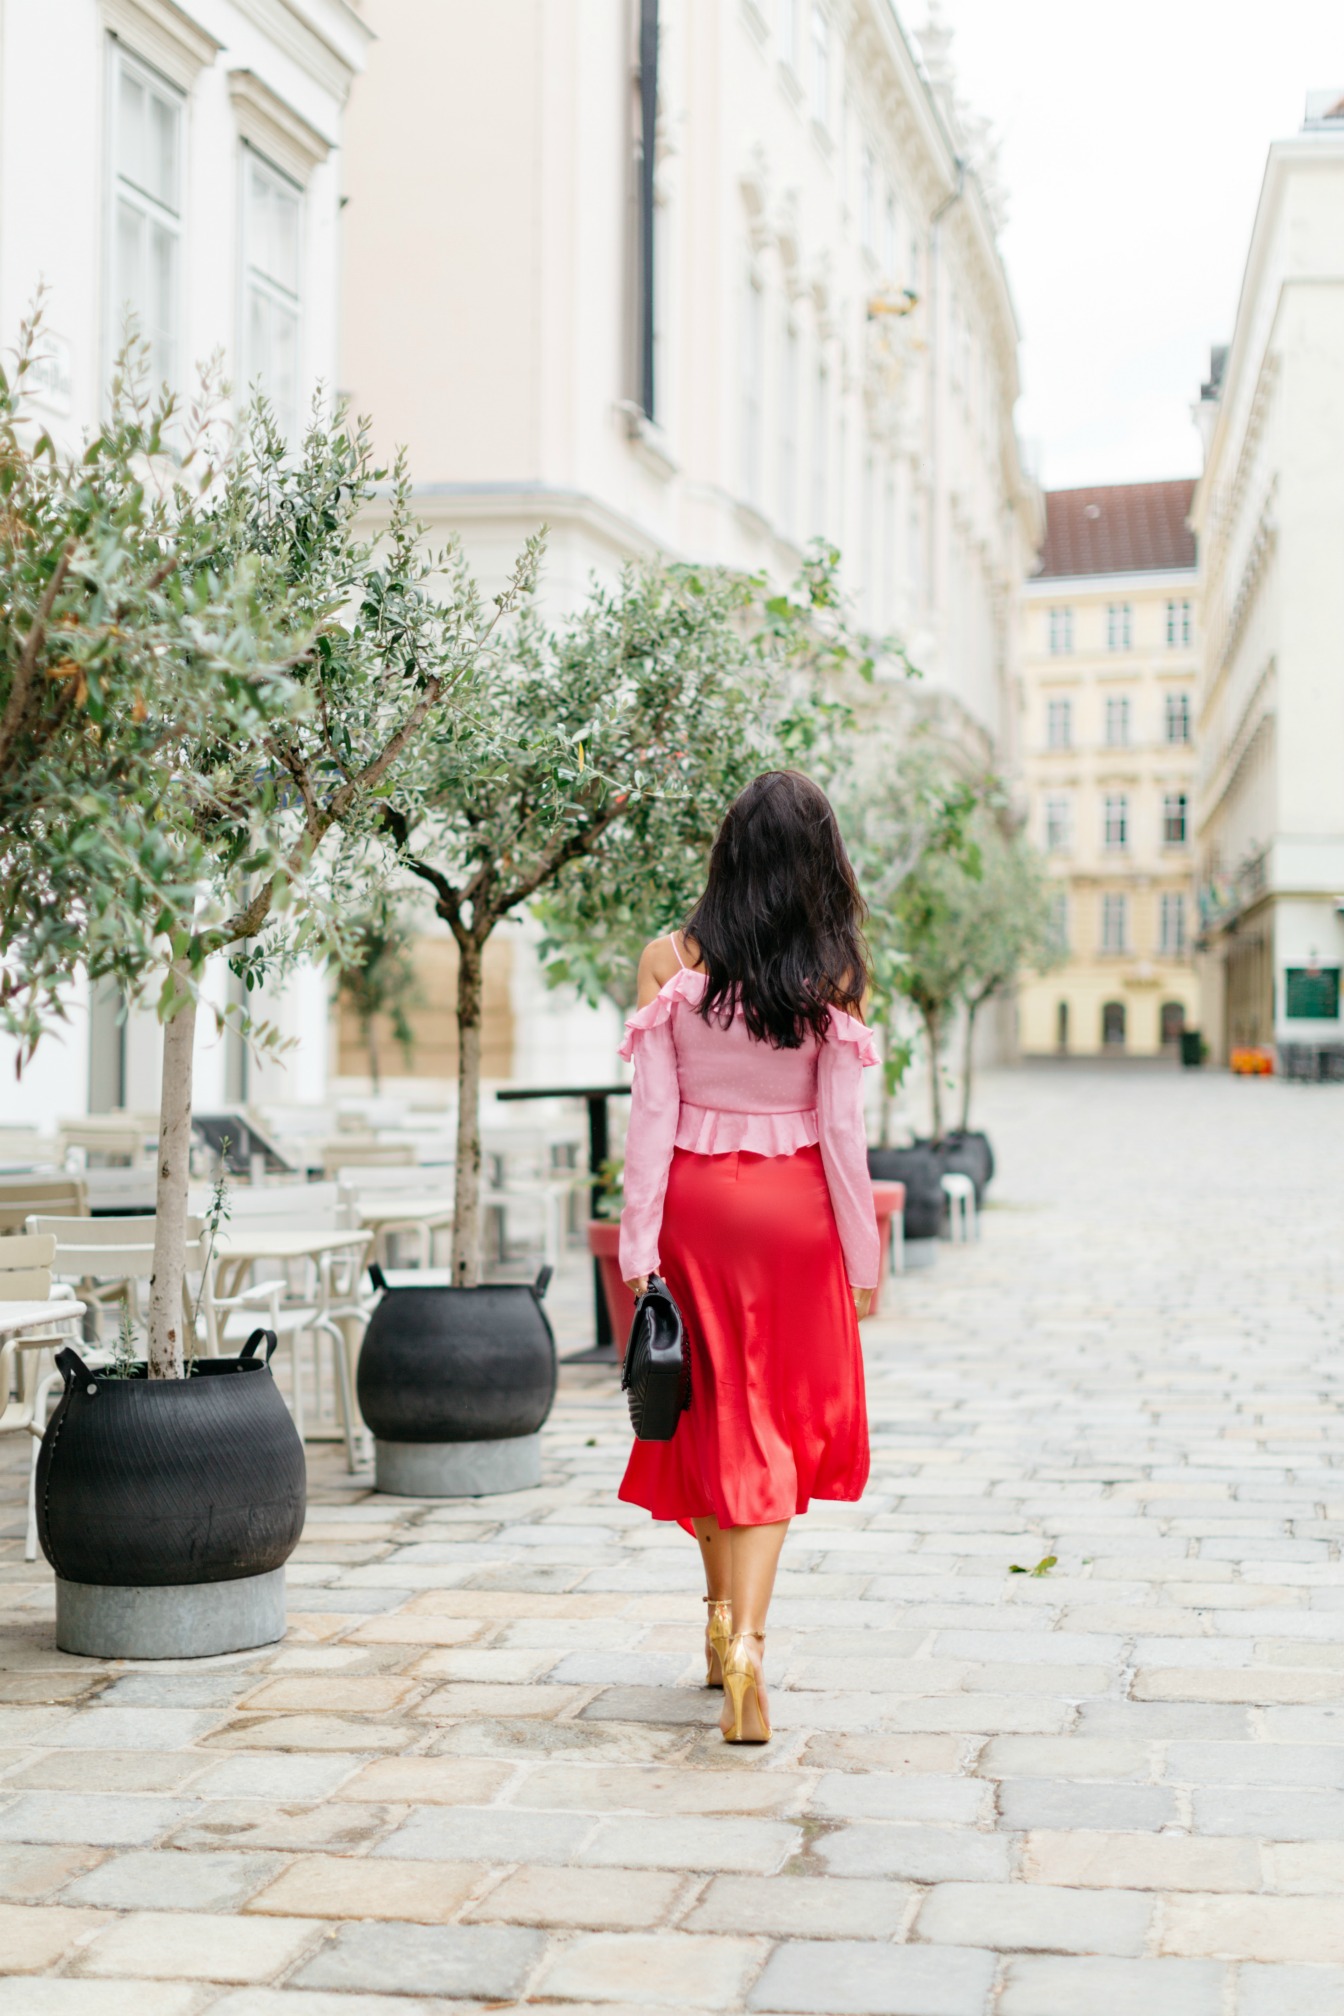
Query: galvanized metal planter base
(457, 1469)
(194, 1620)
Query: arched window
(1173, 1023)
(1113, 1025)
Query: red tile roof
(1120, 528)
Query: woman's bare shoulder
(658, 963)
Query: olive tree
(617, 740)
(1006, 925)
(240, 825)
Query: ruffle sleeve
(848, 1029)
(843, 1140)
(655, 1108)
(683, 986)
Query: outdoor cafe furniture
(959, 1191)
(45, 1191)
(332, 1306)
(889, 1204)
(595, 1097)
(32, 1320)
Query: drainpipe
(648, 108)
(935, 377)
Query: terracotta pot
(604, 1242)
(889, 1203)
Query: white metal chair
(959, 1191)
(25, 1276)
(110, 1258)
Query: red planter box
(604, 1240)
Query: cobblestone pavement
(479, 1772)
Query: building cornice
(1313, 151)
(326, 38)
(1058, 587)
(274, 128)
(164, 35)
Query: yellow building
(1109, 660)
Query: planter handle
(71, 1367)
(249, 1350)
(377, 1276)
(542, 1282)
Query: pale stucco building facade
(1269, 510)
(177, 162)
(709, 278)
(1109, 666)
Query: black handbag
(656, 1375)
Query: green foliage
(1043, 1566)
(713, 680)
(959, 899)
(377, 974)
(124, 649)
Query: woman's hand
(638, 1285)
(863, 1301)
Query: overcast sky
(1133, 147)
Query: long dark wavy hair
(780, 925)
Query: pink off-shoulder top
(714, 1089)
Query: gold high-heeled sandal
(740, 1680)
(718, 1636)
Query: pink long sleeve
(844, 1149)
(655, 1106)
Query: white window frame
(1115, 822)
(1180, 621)
(1114, 921)
(753, 364)
(1176, 715)
(1175, 812)
(821, 67)
(788, 32)
(1117, 720)
(1058, 823)
(120, 188)
(788, 427)
(821, 443)
(1172, 925)
(1059, 920)
(868, 198)
(1119, 626)
(252, 160)
(1061, 632)
(1059, 722)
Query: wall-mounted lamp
(892, 304)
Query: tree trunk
(888, 1096)
(968, 1065)
(167, 1300)
(933, 1030)
(371, 1040)
(467, 1210)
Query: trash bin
(1192, 1047)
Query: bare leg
(755, 1557)
(716, 1551)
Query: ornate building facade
(1110, 661)
(709, 278)
(1269, 510)
(193, 190)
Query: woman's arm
(843, 1140)
(655, 1106)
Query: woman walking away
(746, 1183)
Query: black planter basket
(966, 1155)
(149, 1483)
(444, 1364)
(919, 1169)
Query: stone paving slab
(480, 1774)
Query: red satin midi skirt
(750, 1250)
